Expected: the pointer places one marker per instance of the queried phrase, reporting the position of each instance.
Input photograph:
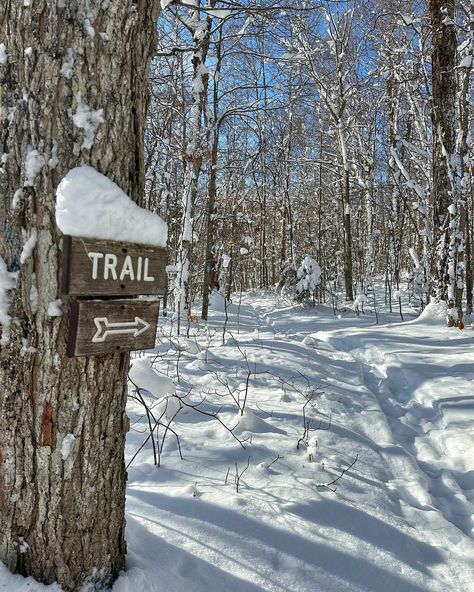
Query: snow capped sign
(109, 268)
(111, 247)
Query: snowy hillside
(350, 469)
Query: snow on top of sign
(89, 204)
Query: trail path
(356, 464)
(417, 413)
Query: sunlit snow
(342, 458)
(89, 204)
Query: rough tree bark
(72, 91)
(444, 118)
(465, 159)
(213, 142)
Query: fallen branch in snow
(247, 380)
(308, 392)
(214, 415)
(263, 410)
(239, 395)
(151, 428)
(154, 424)
(274, 461)
(331, 483)
(308, 425)
(304, 439)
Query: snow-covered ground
(351, 468)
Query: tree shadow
(322, 557)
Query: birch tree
(200, 29)
(464, 146)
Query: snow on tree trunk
(72, 91)
(448, 240)
(335, 94)
(466, 160)
(396, 214)
(347, 237)
(200, 30)
(213, 132)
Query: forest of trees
(336, 129)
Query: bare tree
(335, 89)
(200, 29)
(448, 280)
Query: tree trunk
(347, 236)
(209, 266)
(193, 158)
(73, 91)
(465, 182)
(444, 114)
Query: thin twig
(328, 485)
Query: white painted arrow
(105, 328)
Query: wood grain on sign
(112, 268)
(99, 327)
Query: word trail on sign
(109, 268)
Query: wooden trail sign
(110, 268)
(99, 327)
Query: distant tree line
(341, 130)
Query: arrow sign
(105, 328)
(98, 327)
